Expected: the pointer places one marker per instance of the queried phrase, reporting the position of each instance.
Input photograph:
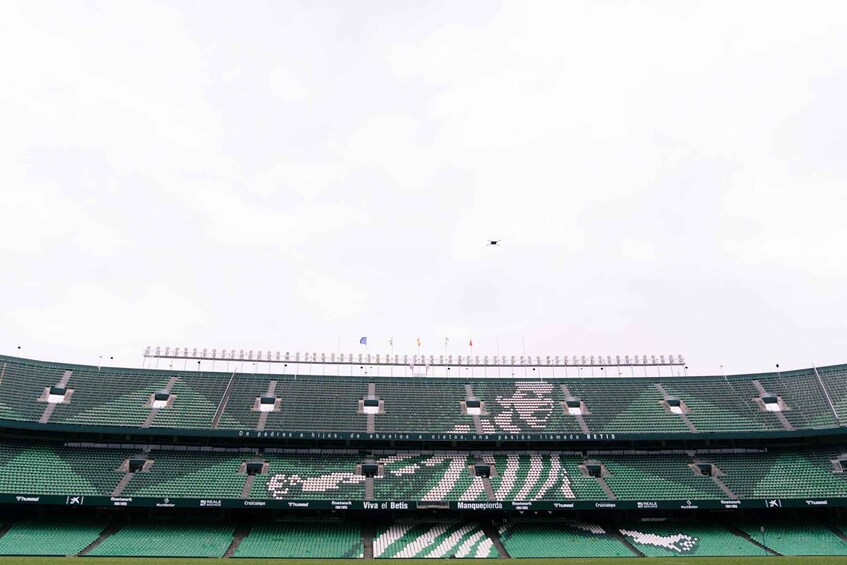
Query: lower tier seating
(167, 539)
(674, 539)
(432, 540)
(302, 539)
(572, 539)
(50, 536)
(789, 538)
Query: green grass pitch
(613, 561)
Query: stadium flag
(419, 342)
(470, 343)
(391, 342)
(363, 341)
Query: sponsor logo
(563, 505)
(605, 505)
(166, 503)
(210, 503)
(254, 503)
(817, 502)
(298, 504)
(479, 505)
(27, 498)
(121, 500)
(774, 503)
(75, 500)
(648, 504)
(689, 506)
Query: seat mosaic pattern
(432, 540)
(117, 397)
(694, 539)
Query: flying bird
(494, 241)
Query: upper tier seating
(432, 404)
(636, 477)
(432, 476)
(121, 397)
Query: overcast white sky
(666, 177)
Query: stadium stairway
(742, 534)
(629, 545)
(835, 530)
(241, 532)
(494, 535)
(107, 531)
(368, 533)
(216, 419)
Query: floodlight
(662, 359)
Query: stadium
(119, 462)
(411, 224)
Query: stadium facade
(115, 461)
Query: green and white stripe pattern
(433, 540)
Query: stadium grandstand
(121, 462)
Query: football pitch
(535, 561)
